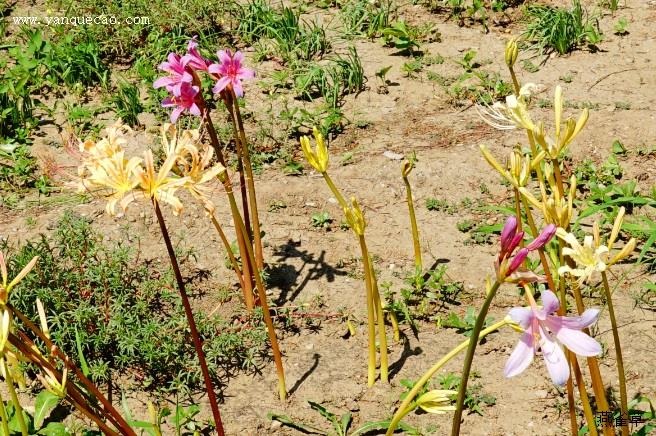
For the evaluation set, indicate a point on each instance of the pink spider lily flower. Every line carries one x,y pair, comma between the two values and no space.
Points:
193,57
546,332
184,98
178,74
230,72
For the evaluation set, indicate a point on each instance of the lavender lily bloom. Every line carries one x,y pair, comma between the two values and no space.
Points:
546,332
178,74
184,98
230,71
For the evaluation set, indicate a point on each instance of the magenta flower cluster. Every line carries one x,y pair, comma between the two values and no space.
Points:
182,84
506,264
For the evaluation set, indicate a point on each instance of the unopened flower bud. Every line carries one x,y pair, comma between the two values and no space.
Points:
517,261
543,238
512,51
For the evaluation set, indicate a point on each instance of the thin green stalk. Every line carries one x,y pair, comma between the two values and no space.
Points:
583,394
469,357
413,223
271,331
371,370
14,398
618,354
198,345
250,182
406,405
382,335
228,248
3,416
335,191
241,238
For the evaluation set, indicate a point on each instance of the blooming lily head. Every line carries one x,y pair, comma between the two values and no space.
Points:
230,72
178,73
588,258
319,157
183,98
511,115
520,167
193,58
544,331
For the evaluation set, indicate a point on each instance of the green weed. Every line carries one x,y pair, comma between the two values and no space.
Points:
561,30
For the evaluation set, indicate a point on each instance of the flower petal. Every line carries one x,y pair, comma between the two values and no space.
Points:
554,358
521,357
550,302
586,319
221,84
578,342
522,316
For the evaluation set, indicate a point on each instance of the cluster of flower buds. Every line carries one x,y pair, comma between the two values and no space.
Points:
184,85
507,264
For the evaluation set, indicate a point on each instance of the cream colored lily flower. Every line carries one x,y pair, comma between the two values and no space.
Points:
589,258
511,115
6,286
159,186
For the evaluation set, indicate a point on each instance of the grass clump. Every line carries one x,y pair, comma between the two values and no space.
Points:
124,312
561,30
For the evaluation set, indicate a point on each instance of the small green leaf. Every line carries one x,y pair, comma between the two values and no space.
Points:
55,429
285,420
44,404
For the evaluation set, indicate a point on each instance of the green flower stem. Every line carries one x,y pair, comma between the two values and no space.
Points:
395,326
382,335
14,398
371,371
3,416
559,177
240,167
469,357
335,191
618,353
198,345
407,406
271,330
228,248
413,224
241,238
516,86
257,236
587,409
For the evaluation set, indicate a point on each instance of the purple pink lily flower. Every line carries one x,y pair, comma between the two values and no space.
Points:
183,98
230,71
193,57
545,332
178,73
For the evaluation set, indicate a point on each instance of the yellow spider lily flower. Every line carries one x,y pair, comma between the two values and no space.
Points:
511,115
319,157
589,257
437,401
563,138
196,167
355,218
628,248
520,166
556,209
6,285
159,186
